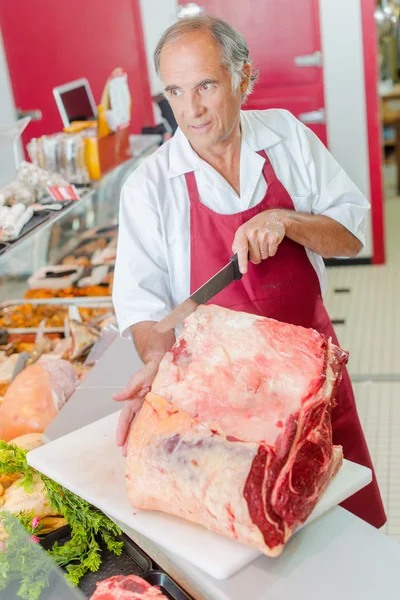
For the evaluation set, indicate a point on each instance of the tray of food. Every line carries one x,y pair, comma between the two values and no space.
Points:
169,588
101,292
91,551
93,301
24,206
96,246
77,279
107,231
140,588
55,277
39,371
132,560
24,317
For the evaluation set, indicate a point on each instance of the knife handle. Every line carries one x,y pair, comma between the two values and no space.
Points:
236,273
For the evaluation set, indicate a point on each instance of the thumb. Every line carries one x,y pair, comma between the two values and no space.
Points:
241,247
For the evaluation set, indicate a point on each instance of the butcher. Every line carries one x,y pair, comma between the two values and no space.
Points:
256,183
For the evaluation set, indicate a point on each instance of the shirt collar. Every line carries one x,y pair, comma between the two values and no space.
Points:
182,158
255,132
258,136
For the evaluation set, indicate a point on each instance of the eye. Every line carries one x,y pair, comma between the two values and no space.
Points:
207,86
175,92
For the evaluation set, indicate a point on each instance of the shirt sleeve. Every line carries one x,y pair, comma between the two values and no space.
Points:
141,290
334,193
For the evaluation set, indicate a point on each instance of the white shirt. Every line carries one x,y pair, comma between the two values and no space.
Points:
152,272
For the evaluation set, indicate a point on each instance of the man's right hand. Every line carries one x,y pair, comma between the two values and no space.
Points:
134,394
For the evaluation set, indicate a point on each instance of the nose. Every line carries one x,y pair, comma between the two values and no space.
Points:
194,106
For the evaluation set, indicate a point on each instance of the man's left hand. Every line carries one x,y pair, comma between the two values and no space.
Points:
260,237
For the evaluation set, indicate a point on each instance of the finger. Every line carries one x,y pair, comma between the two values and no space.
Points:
273,243
125,446
125,449
124,422
254,250
127,393
130,390
135,409
241,247
120,396
264,249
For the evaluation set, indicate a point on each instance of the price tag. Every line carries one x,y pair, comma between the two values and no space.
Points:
63,192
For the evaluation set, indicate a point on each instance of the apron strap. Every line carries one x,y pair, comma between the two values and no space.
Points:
268,170
193,191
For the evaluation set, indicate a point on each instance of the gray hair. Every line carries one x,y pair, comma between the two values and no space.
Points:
233,46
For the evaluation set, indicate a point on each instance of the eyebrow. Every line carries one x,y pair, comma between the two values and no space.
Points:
169,88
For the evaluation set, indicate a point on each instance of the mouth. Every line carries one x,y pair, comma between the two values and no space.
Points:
200,128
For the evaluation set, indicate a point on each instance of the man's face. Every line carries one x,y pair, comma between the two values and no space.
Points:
199,89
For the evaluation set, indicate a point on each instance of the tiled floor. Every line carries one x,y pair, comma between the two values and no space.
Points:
379,410
371,333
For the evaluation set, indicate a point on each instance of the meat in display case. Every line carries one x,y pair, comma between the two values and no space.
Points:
56,313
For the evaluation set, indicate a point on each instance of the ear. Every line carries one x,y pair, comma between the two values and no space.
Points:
245,78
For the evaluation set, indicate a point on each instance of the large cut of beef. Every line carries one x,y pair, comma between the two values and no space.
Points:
129,587
236,433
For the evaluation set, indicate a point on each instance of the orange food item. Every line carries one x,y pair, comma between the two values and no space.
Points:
82,261
35,397
94,290
29,315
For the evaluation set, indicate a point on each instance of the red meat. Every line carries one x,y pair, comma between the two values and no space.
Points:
236,434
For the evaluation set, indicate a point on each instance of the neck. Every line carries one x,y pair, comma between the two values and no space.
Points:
224,155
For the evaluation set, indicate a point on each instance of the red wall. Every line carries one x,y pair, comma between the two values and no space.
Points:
50,42
374,129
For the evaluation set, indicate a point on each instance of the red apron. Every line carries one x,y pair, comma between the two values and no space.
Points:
286,288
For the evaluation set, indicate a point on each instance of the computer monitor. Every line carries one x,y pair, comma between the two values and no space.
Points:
75,102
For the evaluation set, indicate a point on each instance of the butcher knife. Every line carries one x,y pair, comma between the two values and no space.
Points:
207,291
20,364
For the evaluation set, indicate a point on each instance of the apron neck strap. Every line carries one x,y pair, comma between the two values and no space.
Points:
192,187
268,170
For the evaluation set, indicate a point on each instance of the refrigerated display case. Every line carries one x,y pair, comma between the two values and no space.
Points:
62,232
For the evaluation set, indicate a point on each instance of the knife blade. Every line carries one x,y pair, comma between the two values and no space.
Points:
20,364
25,359
207,291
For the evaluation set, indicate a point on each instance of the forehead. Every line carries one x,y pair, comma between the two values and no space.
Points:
194,56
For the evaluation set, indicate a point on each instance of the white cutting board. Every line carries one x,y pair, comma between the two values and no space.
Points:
88,463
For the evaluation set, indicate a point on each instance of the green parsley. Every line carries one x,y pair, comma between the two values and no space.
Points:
82,553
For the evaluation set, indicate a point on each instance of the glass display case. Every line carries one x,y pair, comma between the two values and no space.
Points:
52,241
